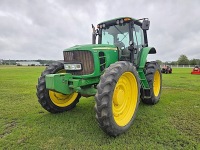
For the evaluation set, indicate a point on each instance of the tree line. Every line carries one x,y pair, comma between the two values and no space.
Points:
182,60
13,62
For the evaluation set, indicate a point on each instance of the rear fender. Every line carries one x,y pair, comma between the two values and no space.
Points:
143,55
140,67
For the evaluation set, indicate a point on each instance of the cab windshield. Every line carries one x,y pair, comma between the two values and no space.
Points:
117,35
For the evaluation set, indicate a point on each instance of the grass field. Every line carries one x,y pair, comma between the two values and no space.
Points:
174,123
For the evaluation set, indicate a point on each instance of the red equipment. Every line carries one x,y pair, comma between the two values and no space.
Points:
196,70
166,69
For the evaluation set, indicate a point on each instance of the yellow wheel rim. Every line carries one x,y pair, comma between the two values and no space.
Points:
62,100
156,83
125,98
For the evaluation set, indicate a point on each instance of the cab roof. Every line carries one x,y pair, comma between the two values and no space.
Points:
125,19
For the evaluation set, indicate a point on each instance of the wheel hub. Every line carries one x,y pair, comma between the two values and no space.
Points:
118,97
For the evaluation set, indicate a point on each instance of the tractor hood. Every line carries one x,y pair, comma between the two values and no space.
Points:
92,47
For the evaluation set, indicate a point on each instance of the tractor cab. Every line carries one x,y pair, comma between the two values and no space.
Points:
127,34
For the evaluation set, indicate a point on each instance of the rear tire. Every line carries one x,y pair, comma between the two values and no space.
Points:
52,101
117,98
154,78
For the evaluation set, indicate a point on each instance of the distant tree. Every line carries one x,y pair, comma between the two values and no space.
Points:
159,62
183,60
193,62
198,61
173,63
41,61
167,63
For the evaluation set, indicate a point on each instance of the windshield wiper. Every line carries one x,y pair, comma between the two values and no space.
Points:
124,36
121,32
118,29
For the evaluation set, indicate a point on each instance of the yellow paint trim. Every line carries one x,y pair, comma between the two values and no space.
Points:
108,48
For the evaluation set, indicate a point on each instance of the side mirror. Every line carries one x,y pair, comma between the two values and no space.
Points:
145,24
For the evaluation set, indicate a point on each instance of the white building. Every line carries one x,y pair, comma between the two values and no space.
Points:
28,63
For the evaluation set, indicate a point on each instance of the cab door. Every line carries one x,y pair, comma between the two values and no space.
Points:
138,39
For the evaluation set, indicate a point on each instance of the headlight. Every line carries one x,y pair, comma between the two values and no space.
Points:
73,66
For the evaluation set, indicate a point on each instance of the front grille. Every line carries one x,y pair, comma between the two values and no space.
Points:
102,60
84,57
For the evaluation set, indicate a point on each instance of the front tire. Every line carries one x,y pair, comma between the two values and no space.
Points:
117,98
52,101
154,78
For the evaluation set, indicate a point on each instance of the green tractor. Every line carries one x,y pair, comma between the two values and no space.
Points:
114,70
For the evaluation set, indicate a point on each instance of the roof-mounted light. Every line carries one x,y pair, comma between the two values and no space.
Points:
117,22
121,21
127,19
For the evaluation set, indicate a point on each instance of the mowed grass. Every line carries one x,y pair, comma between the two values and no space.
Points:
173,123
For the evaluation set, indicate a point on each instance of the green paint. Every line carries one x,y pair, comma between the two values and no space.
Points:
111,56
88,91
67,83
141,64
58,82
143,55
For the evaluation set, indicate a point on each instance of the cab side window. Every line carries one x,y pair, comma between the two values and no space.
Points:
138,36
107,38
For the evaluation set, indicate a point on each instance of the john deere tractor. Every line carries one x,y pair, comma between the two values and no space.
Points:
113,68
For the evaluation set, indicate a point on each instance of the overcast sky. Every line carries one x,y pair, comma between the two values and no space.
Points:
41,29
